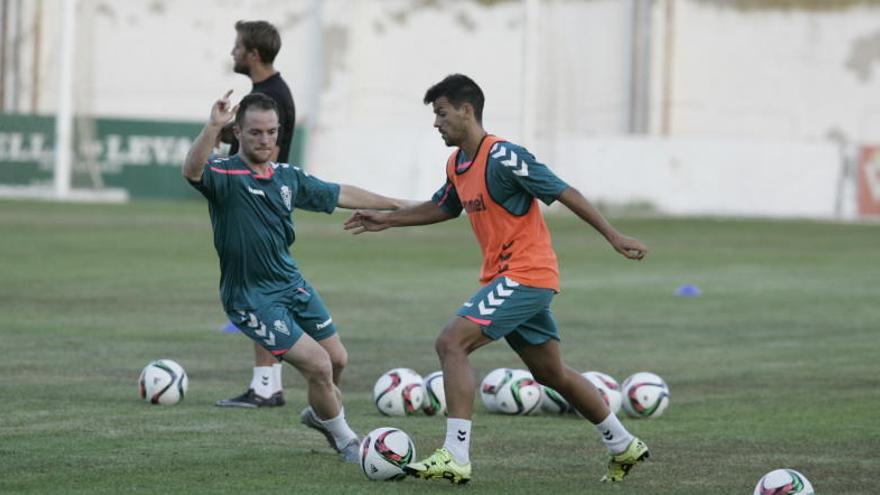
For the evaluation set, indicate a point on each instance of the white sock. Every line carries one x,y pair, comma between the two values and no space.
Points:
277,384
458,439
614,435
338,427
262,381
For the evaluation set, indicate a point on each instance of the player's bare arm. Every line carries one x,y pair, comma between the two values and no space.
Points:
576,202
375,221
222,113
353,197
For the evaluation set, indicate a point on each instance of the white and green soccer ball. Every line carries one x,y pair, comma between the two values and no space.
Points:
645,395
399,392
163,382
608,388
490,386
784,482
435,395
520,395
384,452
552,402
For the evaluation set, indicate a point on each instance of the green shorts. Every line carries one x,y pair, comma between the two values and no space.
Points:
278,325
520,314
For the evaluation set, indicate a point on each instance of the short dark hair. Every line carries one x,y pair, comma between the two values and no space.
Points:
458,89
251,101
260,36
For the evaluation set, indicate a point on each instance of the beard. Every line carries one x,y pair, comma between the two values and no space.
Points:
449,140
255,157
241,69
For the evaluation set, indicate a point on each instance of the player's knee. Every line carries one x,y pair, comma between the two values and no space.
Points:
445,346
458,340
339,360
320,373
318,368
441,346
448,343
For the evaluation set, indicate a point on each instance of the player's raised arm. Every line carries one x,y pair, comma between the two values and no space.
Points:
577,203
222,112
374,221
353,197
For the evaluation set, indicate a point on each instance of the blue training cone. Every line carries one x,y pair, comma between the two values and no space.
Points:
688,290
229,327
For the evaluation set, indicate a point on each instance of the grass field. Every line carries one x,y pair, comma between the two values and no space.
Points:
774,366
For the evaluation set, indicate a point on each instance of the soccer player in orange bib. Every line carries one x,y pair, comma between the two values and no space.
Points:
498,184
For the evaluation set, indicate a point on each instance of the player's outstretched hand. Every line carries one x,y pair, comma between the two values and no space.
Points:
632,248
366,221
223,112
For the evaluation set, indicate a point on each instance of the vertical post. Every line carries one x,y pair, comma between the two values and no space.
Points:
64,115
668,70
531,15
17,35
316,73
37,56
640,66
4,15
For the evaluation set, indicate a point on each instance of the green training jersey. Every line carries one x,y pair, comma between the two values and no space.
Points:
254,229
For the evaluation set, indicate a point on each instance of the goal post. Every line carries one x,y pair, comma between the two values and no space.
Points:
27,145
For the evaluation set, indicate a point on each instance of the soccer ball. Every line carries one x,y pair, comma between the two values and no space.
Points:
608,388
552,402
521,395
784,482
399,392
384,452
163,382
435,400
491,384
645,395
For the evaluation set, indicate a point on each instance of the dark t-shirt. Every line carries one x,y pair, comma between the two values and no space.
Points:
274,87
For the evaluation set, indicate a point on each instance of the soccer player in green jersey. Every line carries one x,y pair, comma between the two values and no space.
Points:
250,202
498,184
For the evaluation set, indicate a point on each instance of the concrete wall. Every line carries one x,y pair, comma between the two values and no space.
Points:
752,73
725,177
680,176
755,92
777,74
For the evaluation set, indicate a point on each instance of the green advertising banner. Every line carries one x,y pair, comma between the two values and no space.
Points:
141,156
26,144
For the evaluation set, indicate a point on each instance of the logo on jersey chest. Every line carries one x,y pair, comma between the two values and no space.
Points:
256,191
474,205
285,196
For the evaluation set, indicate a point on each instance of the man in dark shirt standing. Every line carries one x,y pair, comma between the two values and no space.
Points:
256,45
